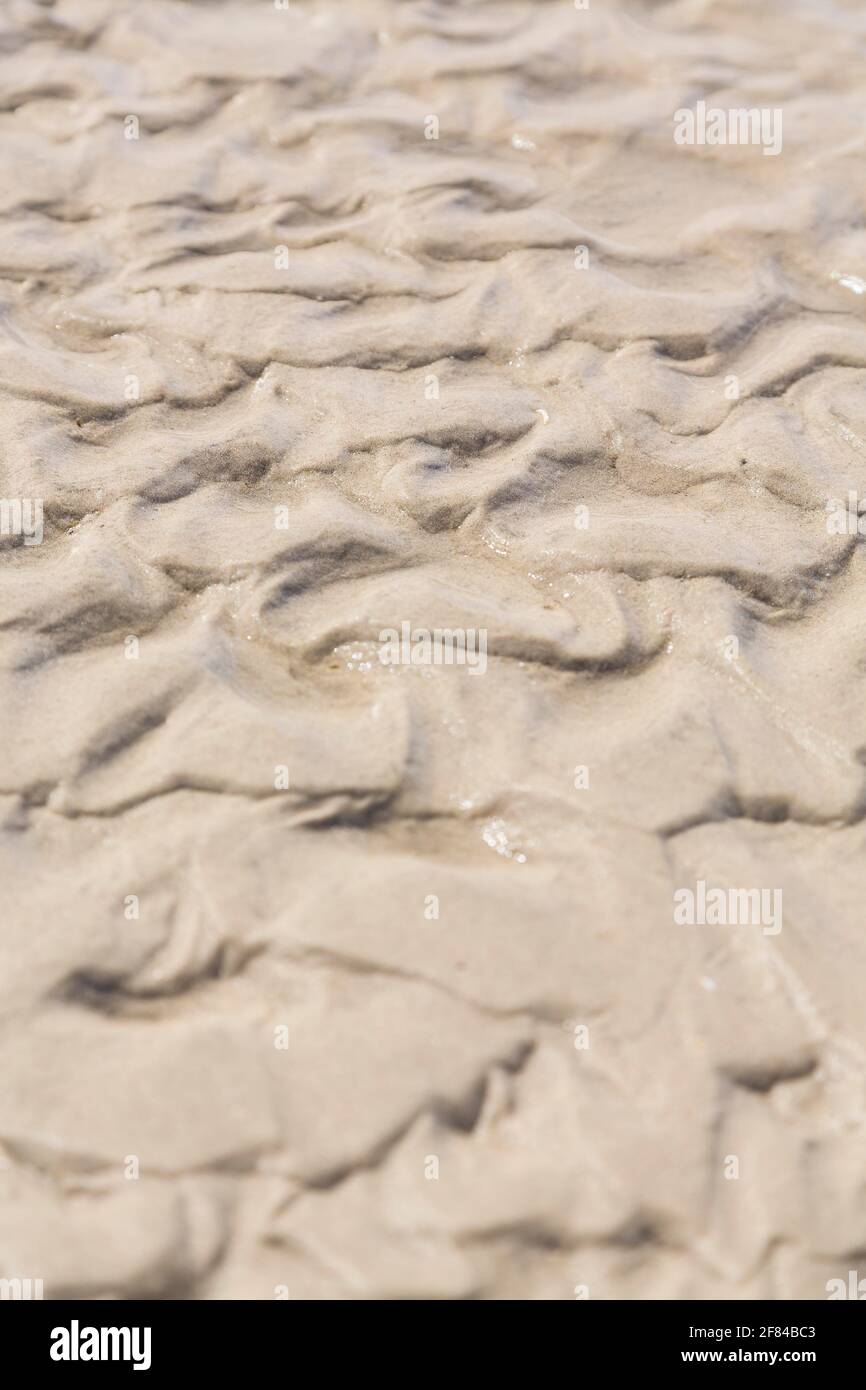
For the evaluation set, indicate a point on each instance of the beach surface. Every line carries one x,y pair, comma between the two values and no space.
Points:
432,649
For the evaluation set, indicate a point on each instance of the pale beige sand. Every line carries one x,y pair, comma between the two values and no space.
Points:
167,384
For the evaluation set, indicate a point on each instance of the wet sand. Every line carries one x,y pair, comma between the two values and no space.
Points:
335,977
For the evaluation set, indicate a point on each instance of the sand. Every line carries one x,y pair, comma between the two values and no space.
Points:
329,976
